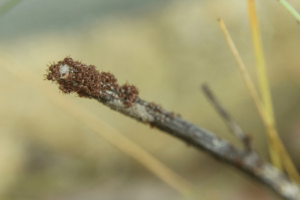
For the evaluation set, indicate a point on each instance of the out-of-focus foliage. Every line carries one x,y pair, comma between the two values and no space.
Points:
167,50
7,6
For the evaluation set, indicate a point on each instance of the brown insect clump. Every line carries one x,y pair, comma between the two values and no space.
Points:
86,81
128,94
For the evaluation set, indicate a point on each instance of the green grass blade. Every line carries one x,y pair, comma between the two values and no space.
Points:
291,9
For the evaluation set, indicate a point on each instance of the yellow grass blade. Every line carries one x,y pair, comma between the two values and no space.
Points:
108,133
291,9
275,145
260,62
264,85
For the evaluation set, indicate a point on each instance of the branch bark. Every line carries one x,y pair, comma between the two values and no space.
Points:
73,76
230,122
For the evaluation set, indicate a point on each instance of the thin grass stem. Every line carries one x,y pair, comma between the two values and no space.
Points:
291,9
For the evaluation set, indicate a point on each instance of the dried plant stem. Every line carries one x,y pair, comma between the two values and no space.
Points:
260,63
243,71
279,154
111,135
149,113
264,87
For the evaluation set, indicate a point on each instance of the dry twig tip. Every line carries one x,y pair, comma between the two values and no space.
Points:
86,81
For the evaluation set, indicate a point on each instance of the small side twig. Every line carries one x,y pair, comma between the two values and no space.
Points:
73,76
230,122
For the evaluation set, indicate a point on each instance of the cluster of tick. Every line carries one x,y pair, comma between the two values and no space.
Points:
128,94
86,81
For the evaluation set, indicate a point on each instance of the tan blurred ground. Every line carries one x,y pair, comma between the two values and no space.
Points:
167,53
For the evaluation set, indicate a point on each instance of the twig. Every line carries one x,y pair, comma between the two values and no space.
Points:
230,122
108,133
87,82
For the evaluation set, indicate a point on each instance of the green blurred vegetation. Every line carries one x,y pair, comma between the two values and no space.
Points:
167,50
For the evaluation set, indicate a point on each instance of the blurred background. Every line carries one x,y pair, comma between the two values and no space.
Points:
167,48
